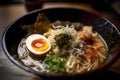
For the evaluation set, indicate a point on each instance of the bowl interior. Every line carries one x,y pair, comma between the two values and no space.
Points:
14,33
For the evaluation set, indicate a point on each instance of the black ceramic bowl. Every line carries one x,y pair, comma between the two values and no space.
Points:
14,33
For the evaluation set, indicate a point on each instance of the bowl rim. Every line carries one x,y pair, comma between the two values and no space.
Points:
104,66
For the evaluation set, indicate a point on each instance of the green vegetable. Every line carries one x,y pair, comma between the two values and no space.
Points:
63,40
55,64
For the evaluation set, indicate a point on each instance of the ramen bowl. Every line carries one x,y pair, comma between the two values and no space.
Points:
108,31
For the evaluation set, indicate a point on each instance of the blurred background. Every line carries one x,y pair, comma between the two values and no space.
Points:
98,4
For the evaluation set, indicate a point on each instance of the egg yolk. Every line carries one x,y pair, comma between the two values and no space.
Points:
39,45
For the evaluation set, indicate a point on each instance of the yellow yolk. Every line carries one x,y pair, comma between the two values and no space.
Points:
39,45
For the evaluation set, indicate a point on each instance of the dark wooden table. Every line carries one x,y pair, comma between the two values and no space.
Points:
8,71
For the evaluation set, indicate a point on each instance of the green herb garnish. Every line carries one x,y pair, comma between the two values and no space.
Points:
63,40
55,64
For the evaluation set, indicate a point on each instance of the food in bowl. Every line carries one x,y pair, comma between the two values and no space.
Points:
61,47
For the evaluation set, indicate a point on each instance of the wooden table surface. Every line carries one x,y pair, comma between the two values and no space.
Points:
8,71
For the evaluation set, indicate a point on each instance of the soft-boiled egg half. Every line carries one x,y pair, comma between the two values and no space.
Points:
38,44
